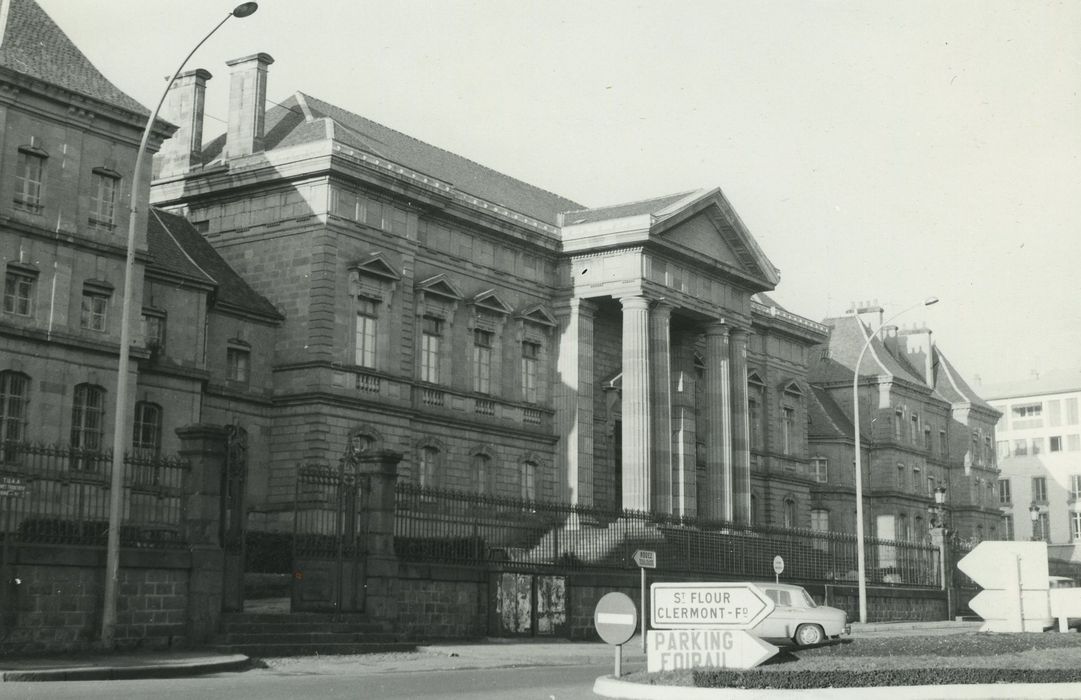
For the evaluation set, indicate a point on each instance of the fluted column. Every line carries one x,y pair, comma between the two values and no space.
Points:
741,437
660,372
573,399
637,436
684,422
718,497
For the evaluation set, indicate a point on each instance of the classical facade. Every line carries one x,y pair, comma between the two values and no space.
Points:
1039,451
506,340
922,429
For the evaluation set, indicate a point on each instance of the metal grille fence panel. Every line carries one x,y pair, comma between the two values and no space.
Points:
60,495
470,529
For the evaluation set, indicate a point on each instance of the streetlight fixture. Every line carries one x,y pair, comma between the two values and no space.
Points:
112,554
1034,513
860,566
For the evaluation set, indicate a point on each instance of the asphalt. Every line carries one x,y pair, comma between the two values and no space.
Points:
486,653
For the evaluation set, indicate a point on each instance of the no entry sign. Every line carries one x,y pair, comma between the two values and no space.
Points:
615,618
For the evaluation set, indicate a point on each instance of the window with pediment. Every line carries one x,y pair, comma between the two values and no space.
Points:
437,302
372,284
535,328
487,320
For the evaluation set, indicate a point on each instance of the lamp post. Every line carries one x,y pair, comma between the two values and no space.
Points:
860,567
116,487
939,534
1034,513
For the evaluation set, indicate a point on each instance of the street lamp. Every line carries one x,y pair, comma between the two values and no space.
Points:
1034,513
112,554
861,570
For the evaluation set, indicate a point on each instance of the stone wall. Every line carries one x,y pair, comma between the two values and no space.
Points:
442,602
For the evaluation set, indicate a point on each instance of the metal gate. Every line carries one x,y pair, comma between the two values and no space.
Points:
234,517
329,539
530,605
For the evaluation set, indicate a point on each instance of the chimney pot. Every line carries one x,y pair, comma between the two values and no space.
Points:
183,106
247,104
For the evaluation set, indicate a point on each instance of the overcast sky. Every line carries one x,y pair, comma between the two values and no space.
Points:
877,150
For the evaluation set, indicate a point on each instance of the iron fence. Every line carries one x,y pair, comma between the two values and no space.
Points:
464,528
55,494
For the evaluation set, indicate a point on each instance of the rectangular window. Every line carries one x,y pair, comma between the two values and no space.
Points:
1055,442
29,180
1020,447
87,424
819,466
154,330
1031,410
94,311
529,481
530,362
146,436
482,361
1071,411
431,337
1039,489
914,429
898,421
18,292
1073,443
931,486
754,409
14,396
1043,527
927,439
1037,446
103,200
788,427
238,364
1075,486
1003,447
364,339
820,522
1004,496
1007,525
1075,527
943,444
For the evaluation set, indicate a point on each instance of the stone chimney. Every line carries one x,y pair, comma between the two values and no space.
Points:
247,105
869,312
183,106
920,349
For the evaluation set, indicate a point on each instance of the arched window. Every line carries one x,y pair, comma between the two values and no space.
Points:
87,423
789,512
482,474
146,435
429,461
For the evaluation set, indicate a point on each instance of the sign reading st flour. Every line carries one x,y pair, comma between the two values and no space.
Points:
705,625
708,605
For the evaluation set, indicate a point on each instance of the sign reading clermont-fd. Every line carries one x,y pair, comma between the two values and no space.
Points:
708,605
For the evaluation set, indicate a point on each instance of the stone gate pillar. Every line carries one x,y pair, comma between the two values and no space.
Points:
380,472
203,446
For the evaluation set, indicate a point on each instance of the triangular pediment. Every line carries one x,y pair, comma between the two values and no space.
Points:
706,226
539,315
490,301
439,286
376,265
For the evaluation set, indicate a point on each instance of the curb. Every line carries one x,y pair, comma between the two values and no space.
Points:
235,662
609,687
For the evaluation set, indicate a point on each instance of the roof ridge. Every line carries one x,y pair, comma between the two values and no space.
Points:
633,201
5,7
438,148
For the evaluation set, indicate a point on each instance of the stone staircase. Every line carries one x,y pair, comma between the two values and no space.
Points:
304,634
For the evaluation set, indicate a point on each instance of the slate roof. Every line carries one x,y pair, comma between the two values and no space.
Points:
951,385
619,211
32,44
847,336
304,119
827,418
176,246
1055,382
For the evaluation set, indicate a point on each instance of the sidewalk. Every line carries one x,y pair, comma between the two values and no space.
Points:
450,655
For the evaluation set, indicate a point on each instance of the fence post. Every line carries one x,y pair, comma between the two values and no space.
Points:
203,446
381,571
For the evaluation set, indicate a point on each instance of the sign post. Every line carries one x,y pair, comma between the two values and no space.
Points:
616,620
645,559
778,568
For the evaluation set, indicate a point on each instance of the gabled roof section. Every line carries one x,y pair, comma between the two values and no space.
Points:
625,210
439,285
836,361
304,119
201,259
539,315
490,301
951,385
377,265
827,418
31,43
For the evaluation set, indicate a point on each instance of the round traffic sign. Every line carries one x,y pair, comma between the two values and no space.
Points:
615,618
778,565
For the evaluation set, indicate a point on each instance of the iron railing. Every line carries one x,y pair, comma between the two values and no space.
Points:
57,494
464,528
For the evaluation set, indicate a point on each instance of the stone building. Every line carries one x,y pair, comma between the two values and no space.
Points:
922,428
505,339
1039,450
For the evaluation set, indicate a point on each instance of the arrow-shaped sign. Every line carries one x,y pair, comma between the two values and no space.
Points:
670,650
708,605
1014,575
998,609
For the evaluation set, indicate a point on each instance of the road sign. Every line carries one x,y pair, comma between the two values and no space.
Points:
1014,576
778,566
645,559
708,605
11,487
671,650
615,618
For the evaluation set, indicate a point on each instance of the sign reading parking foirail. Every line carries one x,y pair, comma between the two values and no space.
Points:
705,624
